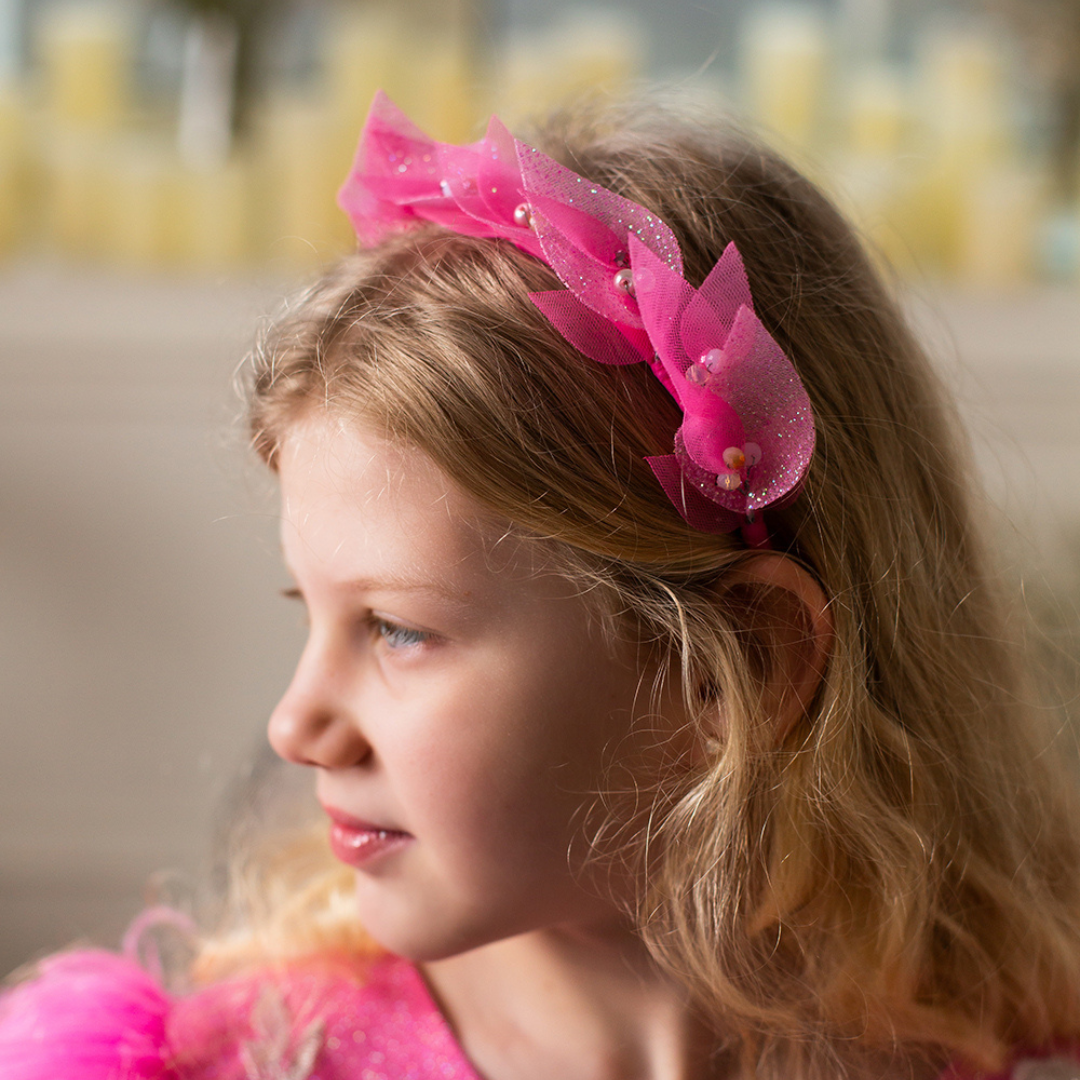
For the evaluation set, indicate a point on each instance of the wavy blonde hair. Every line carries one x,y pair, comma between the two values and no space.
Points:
901,874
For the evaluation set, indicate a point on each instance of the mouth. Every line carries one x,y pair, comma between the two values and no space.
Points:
359,843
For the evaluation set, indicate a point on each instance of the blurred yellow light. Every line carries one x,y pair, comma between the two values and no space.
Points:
85,48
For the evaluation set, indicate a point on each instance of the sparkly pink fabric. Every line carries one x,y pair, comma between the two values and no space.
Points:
400,175
748,432
93,1015
749,394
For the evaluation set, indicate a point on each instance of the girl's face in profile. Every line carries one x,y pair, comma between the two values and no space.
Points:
459,699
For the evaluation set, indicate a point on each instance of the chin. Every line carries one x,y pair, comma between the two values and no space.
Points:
427,932
426,944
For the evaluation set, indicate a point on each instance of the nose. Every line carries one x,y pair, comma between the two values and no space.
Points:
313,723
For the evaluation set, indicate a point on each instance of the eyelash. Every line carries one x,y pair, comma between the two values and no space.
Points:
396,636
393,634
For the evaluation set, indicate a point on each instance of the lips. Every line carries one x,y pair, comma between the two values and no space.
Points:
359,843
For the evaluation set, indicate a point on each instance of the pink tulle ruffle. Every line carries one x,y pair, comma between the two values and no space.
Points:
93,1015
89,1015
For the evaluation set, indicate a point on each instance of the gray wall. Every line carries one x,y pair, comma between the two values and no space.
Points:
142,639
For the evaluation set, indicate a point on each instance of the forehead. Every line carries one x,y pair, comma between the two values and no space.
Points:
356,504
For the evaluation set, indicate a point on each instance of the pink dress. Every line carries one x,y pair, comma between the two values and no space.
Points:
94,1015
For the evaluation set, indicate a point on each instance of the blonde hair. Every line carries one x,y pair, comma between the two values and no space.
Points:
902,872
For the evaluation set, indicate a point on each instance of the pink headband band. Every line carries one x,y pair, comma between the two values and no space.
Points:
747,434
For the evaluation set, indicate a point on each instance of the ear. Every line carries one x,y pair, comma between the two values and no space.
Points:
787,615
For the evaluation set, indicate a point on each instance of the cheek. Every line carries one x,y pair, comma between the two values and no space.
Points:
513,758
493,779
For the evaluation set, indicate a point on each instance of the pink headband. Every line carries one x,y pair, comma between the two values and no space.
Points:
747,434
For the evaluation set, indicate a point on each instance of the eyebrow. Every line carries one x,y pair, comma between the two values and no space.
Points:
406,585
397,585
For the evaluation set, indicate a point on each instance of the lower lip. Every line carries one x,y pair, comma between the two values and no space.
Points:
361,847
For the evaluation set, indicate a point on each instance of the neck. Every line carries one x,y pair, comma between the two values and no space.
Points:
572,1003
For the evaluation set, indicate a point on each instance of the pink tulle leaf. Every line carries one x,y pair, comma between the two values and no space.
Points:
698,511
736,387
638,341
455,173
386,123
710,427
586,258
585,230
499,174
400,175
707,320
762,385
662,294
460,168
591,246
399,196
726,288
392,149
611,214
590,333
591,282
702,332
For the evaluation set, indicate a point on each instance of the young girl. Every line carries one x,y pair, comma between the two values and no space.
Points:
656,691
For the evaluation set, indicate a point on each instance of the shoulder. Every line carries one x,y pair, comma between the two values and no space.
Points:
96,1016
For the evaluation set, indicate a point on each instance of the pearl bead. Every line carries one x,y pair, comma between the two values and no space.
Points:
729,481
734,458
712,360
753,453
444,187
624,282
523,215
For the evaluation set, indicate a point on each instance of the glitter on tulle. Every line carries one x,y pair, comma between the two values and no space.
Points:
747,435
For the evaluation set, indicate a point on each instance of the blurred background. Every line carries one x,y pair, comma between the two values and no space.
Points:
167,177
212,134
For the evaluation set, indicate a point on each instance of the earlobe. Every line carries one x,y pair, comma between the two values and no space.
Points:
787,615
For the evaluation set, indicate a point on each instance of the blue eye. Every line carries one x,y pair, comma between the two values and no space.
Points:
399,637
